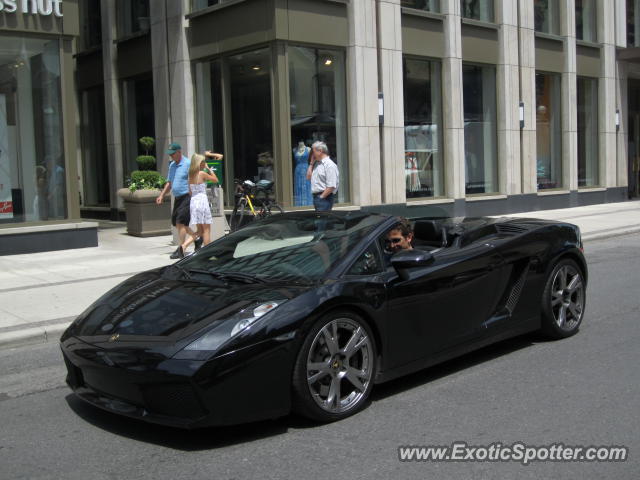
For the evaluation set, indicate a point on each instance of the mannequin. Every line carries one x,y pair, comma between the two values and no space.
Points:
265,166
301,186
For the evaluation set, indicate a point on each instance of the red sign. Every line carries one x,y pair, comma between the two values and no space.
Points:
6,207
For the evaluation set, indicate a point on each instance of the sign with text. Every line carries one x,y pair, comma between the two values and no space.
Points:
33,7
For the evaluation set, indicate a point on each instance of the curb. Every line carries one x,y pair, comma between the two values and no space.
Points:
32,335
610,233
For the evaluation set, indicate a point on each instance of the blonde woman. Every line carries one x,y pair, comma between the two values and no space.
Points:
199,173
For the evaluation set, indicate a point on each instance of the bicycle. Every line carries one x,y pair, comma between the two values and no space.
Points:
248,196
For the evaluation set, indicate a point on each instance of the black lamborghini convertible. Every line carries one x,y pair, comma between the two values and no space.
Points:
307,311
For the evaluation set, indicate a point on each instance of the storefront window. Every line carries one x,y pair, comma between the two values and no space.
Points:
32,163
91,24
94,148
477,10
251,122
133,16
479,96
200,4
209,107
547,16
424,169
428,5
548,131
318,106
586,20
587,132
138,118
633,23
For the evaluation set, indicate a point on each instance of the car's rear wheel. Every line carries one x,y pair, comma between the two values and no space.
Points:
563,300
335,368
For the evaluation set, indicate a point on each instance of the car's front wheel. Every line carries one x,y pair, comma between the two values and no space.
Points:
335,368
563,300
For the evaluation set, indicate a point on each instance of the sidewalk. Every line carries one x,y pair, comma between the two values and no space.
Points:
41,293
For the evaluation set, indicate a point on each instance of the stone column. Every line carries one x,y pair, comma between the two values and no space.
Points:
452,106
508,95
112,103
569,97
172,83
527,47
622,99
607,95
364,131
391,86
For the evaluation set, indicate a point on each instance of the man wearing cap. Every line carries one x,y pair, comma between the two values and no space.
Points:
178,181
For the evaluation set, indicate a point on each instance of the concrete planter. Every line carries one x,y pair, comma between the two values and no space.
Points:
144,217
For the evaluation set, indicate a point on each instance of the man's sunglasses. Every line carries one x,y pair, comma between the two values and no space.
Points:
394,240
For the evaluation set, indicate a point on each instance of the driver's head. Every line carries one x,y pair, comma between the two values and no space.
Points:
399,237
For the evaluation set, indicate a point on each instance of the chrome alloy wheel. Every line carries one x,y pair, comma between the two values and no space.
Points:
567,297
340,365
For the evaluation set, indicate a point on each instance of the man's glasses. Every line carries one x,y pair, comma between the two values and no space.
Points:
394,240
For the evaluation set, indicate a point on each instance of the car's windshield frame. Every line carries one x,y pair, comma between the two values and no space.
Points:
328,240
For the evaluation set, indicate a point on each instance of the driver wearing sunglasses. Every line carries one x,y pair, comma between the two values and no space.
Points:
399,238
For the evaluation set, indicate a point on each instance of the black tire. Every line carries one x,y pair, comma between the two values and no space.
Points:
343,348
237,216
563,300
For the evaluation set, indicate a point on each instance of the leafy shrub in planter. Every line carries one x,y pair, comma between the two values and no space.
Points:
146,180
146,162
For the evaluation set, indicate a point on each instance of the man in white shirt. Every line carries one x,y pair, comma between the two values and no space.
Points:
324,176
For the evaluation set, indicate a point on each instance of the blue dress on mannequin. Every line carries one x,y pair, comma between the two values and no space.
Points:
301,186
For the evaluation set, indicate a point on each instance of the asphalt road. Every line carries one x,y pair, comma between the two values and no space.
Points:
580,391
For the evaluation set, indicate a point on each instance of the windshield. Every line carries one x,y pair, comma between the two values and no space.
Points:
286,247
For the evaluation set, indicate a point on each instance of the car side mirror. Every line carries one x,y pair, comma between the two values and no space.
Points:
405,260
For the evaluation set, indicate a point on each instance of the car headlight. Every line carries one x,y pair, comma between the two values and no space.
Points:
242,320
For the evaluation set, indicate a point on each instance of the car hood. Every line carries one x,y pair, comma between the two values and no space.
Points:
155,307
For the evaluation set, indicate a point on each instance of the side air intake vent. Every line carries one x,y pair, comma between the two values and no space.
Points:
510,228
514,296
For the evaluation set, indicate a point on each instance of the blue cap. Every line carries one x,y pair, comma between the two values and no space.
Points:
173,148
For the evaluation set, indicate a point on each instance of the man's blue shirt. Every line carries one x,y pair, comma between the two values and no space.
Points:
179,177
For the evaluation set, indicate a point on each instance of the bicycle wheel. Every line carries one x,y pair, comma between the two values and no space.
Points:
238,215
273,209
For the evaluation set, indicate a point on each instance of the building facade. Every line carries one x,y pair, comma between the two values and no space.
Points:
457,107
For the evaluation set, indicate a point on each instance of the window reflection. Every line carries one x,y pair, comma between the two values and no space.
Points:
250,81
424,172
94,147
587,132
91,34
477,10
633,23
548,131
318,111
32,162
133,17
479,96
209,109
586,20
139,119
547,16
200,4
428,5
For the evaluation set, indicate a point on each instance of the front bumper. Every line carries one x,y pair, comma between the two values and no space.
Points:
245,385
